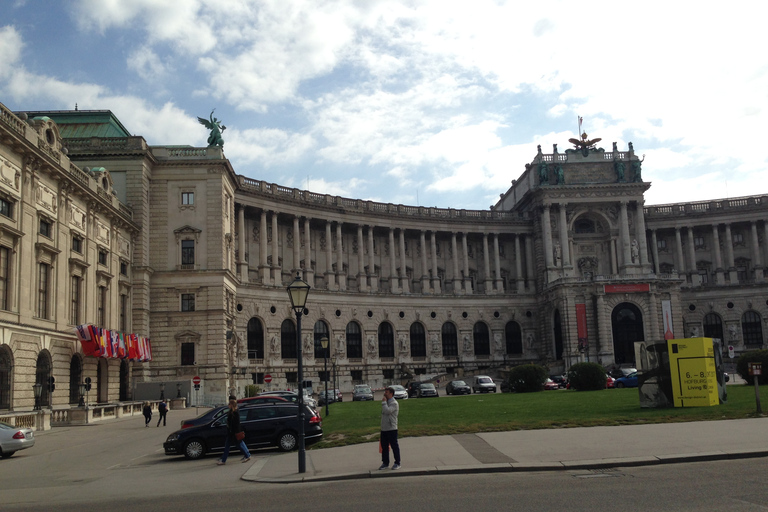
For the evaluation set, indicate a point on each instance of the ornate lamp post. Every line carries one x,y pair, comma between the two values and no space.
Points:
335,386
162,391
83,389
324,343
298,291
38,390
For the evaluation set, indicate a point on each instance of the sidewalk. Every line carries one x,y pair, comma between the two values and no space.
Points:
528,450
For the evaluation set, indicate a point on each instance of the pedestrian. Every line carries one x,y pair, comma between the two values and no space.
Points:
147,412
235,435
389,411
163,410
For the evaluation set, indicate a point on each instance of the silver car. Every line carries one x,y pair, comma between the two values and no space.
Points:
400,392
13,439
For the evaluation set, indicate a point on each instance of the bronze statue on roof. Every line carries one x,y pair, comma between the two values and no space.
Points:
584,144
214,139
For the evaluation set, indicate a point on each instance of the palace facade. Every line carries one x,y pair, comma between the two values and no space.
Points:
169,242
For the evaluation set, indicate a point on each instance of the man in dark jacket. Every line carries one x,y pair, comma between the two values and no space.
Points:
163,410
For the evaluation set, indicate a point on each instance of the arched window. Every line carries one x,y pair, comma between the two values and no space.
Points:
255,339
751,328
713,326
42,373
288,349
75,377
6,367
125,379
321,329
481,339
514,338
354,341
418,340
450,340
386,340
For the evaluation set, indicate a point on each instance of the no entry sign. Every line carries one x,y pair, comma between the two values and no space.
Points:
267,378
196,380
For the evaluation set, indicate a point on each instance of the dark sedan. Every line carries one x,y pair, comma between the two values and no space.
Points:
457,387
271,424
220,411
427,390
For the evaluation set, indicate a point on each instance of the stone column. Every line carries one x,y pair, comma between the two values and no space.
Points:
277,279
497,263
529,272
519,266
296,246
655,243
487,265
564,243
404,284
679,252
242,264
341,275
392,265
465,253
309,273
330,277
424,269
653,305
695,278
546,230
455,261
435,274
626,247
263,241
361,274
614,258
372,262
640,233
603,330
720,279
758,263
730,261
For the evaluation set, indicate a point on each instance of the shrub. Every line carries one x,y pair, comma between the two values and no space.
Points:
753,356
527,378
251,390
586,376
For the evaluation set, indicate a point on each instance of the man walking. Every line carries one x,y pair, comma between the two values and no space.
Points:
389,411
163,410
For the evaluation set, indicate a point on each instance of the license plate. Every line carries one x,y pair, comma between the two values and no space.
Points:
28,435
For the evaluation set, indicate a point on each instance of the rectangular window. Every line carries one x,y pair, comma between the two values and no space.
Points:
123,312
77,244
324,376
738,238
6,208
292,377
258,378
388,374
74,311
103,258
187,252
704,276
42,289
187,301
123,268
45,228
357,375
102,307
187,198
187,354
698,242
4,273
741,273
661,244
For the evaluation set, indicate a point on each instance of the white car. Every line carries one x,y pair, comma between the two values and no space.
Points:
13,439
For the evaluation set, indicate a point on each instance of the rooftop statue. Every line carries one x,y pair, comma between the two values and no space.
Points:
585,144
214,139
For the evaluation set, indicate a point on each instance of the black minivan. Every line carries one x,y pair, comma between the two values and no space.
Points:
265,425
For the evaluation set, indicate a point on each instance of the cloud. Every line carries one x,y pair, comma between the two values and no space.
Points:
147,64
10,49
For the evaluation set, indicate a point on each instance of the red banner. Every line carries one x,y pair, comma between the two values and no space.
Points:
581,325
627,288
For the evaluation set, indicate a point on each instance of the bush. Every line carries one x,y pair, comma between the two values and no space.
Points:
251,390
527,378
586,376
753,356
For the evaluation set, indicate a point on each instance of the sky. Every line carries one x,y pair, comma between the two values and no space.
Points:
431,103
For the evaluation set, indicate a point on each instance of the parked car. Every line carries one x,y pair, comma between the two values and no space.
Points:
217,412
362,392
560,380
13,439
609,381
427,390
483,384
291,396
620,371
630,381
333,394
550,384
270,424
457,387
400,392
412,388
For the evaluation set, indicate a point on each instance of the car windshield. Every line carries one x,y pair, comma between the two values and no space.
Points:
398,388
459,383
427,386
486,380
362,389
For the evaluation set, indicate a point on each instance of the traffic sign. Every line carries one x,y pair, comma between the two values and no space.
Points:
267,378
196,380
731,352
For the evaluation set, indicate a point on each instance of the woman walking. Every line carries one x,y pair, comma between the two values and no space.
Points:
235,435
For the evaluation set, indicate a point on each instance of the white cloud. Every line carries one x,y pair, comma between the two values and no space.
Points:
10,49
147,64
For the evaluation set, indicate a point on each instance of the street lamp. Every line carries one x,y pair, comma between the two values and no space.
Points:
335,386
83,388
324,343
38,390
178,390
297,292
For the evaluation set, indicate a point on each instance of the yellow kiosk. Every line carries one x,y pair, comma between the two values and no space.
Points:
693,364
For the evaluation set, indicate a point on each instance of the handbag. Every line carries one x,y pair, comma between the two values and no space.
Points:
240,436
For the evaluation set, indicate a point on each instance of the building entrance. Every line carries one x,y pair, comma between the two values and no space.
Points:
627,327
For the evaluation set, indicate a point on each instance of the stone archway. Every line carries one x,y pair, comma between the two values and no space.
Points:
627,328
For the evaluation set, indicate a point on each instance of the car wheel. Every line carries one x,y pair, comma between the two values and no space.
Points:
194,449
619,385
287,441
5,455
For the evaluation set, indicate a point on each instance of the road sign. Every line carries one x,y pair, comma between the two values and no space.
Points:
267,378
755,368
197,387
731,352
196,380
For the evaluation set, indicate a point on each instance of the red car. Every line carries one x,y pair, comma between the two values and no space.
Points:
609,381
550,384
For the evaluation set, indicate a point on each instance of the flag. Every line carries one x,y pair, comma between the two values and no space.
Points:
149,350
122,353
99,333
87,340
115,343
